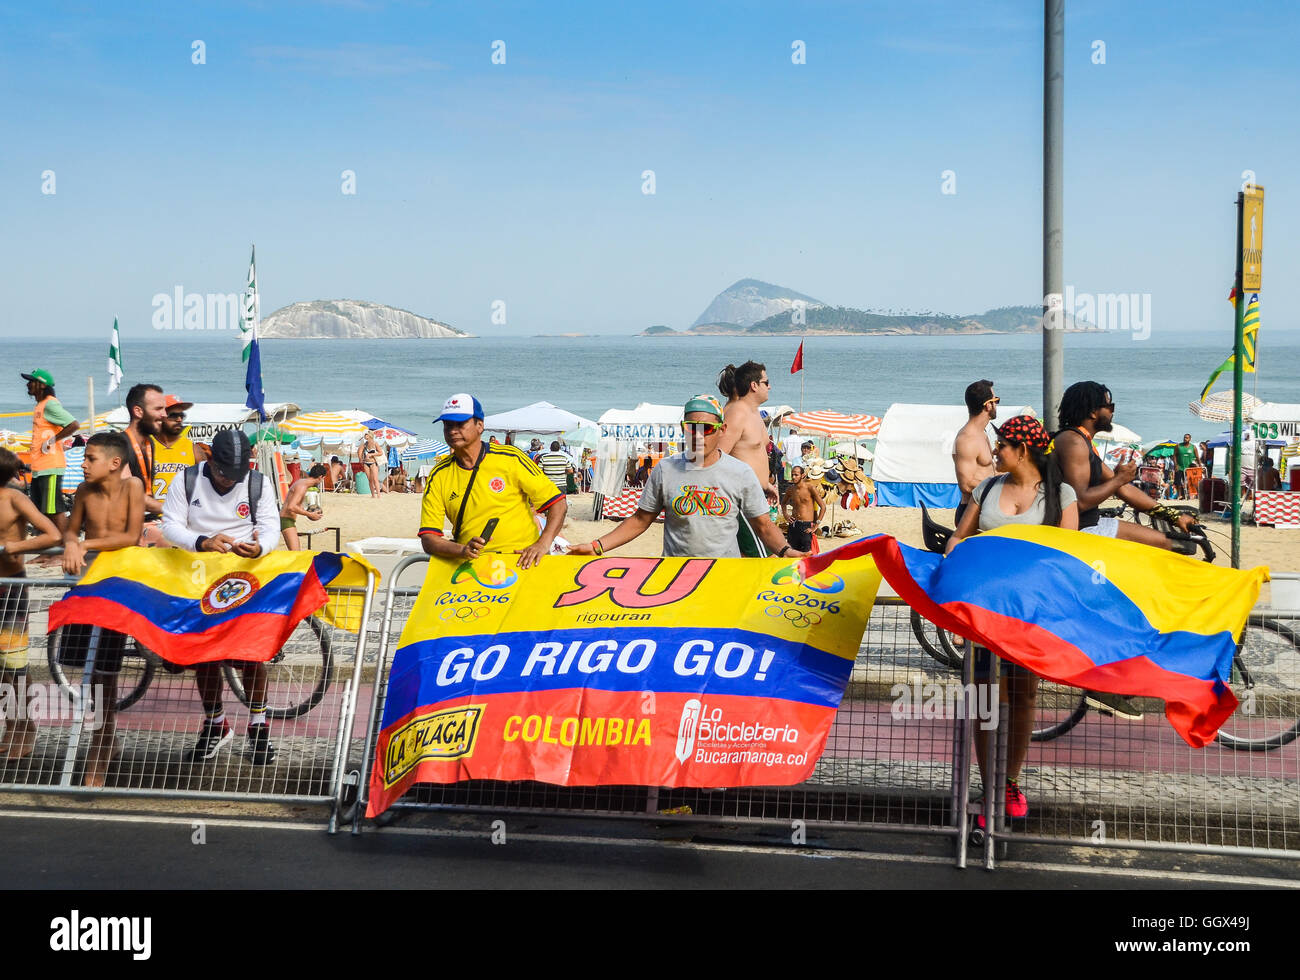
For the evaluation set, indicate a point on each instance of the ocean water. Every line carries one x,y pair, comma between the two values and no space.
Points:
405,381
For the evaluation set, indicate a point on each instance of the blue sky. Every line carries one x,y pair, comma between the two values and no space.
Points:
522,182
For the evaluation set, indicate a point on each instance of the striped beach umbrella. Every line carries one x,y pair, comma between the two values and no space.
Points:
834,424
1218,406
330,428
427,449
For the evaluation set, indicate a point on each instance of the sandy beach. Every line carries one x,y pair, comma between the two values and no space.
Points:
396,515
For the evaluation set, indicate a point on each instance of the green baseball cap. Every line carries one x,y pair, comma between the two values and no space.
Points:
703,403
41,375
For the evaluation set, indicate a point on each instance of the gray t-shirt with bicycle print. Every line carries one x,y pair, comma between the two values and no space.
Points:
702,504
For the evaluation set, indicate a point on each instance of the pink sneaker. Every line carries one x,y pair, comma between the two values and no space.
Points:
1017,805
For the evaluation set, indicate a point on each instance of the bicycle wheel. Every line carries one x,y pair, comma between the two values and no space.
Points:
296,682
933,642
138,666
1059,709
1266,680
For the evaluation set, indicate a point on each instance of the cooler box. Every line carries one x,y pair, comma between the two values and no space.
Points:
1213,492
1295,477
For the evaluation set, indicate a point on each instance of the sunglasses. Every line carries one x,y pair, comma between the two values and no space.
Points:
995,400
1110,405
176,416
704,428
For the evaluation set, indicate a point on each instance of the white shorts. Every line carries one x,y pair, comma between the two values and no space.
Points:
1106,527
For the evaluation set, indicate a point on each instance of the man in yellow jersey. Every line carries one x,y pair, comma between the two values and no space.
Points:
173,449
480,482
51,424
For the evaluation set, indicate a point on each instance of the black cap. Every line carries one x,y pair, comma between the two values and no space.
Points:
231,454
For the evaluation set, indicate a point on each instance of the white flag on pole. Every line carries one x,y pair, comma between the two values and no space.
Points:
250,313
114,360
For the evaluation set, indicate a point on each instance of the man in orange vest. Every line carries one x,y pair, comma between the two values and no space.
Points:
51,424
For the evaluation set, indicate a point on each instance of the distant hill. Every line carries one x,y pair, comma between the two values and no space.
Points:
347,319
844,320
748,301
658,330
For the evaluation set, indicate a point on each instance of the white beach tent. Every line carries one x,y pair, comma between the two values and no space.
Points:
622,431
541,418
1285,417
913,463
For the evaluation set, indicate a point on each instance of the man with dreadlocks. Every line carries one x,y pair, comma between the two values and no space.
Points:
1086,409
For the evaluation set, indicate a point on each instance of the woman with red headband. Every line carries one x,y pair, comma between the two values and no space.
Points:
1026,489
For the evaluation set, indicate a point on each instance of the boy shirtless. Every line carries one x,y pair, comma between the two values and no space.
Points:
804,499
17,512
296,504
109,509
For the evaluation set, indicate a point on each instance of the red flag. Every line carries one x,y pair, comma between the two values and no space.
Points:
797,366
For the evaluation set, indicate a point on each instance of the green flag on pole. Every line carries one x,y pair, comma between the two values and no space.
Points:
114,360
250,313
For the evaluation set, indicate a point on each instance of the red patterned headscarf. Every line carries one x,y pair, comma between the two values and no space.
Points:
1024,430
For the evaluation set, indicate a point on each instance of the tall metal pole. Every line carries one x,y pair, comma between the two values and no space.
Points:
1238,367
1054,320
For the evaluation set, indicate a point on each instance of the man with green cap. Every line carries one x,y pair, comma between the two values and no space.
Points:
51,424
706,496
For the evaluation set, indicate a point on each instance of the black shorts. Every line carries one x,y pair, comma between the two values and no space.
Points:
74,648
800,535
983,663
1180,477
47,494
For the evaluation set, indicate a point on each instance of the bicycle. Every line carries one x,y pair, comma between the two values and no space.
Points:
285,681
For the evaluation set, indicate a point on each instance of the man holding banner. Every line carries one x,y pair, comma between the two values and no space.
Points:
705,496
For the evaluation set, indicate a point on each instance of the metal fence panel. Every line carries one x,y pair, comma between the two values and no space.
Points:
883,768
54,700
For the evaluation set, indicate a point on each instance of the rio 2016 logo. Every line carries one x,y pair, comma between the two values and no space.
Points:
500,577
825,583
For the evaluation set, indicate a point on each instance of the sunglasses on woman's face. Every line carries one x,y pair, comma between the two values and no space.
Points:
703,428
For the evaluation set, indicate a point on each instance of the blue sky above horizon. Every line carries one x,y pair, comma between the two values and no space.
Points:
522,182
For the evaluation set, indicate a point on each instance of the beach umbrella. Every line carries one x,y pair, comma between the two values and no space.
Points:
15,440
1118,434
834,424
857,450
272,434
1218,406
428,449
330,428
386,433
585,437
1159,450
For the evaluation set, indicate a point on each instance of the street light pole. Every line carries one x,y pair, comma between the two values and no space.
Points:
1054,314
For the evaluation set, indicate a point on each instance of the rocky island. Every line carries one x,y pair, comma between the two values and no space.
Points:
348,319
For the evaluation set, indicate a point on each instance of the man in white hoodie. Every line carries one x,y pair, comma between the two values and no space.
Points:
225,506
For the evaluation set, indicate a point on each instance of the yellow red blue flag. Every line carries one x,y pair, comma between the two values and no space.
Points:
1087,611
195,608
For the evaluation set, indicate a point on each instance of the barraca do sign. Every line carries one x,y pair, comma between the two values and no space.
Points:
651,671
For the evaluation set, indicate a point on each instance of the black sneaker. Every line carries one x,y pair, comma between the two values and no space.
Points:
211,739
1114,704
260,750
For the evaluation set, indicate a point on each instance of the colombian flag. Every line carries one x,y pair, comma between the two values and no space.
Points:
197,608
1087,611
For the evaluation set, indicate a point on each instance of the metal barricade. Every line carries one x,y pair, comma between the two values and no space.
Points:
1098,780
888,763
55,691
